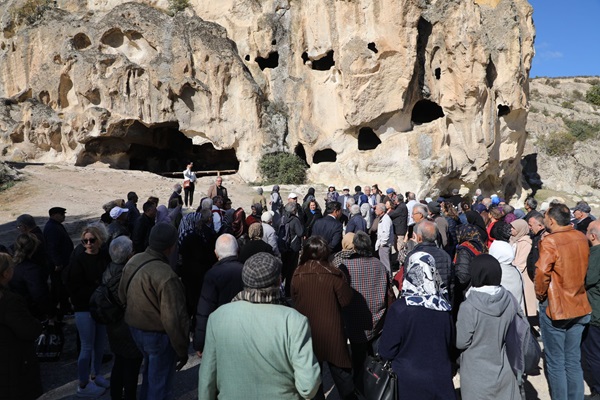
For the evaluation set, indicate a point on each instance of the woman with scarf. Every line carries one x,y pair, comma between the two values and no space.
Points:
418,333
311,214
470,245
483,320
521,243
504,253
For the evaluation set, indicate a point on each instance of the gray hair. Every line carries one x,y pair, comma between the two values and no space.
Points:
290,208
177,187
380,207
362,244
421,208
508,209
428,231
226,246
205,216
350,202
206,204
531,203
102,230
259,190
355,209
120,249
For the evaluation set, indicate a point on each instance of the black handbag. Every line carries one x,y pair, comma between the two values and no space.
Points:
379,381
49,345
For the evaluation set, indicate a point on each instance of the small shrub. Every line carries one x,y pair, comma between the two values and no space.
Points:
282,168
554,96
577,80
592,96
551,83
535,94
559,115
582,130
568,104
545,113
557,144
178,5
576,95
533,109
7,177
594,81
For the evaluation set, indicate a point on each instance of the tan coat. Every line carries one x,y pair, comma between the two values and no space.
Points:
522,248
319,292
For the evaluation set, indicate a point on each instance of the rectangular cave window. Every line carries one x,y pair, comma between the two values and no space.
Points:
326,155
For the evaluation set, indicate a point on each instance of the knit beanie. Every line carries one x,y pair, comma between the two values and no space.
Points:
162,236
262,270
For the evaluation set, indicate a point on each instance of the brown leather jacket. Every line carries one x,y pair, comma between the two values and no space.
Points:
560,274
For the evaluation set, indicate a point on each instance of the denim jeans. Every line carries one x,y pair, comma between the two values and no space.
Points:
93,340
159,363
562,351
124,378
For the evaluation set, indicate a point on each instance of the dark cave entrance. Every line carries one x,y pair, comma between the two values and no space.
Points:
367,139
426,111
326,155
300,152
158,148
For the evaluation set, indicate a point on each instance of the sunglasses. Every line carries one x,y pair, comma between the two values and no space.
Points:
88,241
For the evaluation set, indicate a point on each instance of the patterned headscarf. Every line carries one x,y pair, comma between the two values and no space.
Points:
423,285
470,233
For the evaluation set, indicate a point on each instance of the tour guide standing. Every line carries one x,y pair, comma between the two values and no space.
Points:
564,306
189,184
156,311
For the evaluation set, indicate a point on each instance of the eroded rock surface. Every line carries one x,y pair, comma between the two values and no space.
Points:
418,94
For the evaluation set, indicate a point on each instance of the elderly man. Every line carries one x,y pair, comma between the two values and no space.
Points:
385,237
538,231
564,306
591,342
581,212
118,226
177,189
217,189
221,283
60,247
155,312
272,347
269,234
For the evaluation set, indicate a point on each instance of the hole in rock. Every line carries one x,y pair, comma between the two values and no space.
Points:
81,41
438,73
273,42
424,29
324,63
426,111
247,58
272,61
305,57
367,139
503,110
490,73
530,172
2,46
371,46
326,155
113,38
299,151
158,148
64,86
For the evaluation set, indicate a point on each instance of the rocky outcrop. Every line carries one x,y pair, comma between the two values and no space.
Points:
416,94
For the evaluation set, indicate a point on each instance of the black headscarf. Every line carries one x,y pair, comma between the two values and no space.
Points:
501,231
475,219
311,192
485,271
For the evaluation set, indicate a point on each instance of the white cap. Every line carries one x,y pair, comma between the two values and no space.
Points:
292,196
116,212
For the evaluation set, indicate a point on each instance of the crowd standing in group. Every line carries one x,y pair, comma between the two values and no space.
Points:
271,297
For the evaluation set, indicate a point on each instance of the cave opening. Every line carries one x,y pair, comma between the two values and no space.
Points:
367,139
426,111
438,73
300,152
325,155
371,46
158,148
322,64
490,73
503,110
424,30
272,61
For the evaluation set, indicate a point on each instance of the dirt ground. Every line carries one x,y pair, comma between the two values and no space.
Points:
83,191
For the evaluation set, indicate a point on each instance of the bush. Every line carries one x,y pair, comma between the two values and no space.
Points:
568,104
592,96
552,83
282,168
557,144
178,5
582,130
576,95
594,81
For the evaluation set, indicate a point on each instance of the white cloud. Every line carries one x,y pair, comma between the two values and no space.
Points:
550,55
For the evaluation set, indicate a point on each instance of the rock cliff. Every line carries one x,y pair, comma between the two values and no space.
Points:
423,95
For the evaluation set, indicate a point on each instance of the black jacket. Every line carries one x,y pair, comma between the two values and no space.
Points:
534,254
253,247
58,242
30,282
141,233
443,263
399,217
84,274
330,229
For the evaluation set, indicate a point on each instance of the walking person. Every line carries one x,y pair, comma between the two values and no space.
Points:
189,184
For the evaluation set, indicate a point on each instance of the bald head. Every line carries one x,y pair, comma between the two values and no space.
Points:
593,233
426,232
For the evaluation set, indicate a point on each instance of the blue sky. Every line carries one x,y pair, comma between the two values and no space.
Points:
567,39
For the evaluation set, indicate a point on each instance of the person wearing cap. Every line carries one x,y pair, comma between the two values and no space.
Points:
156,311
221,283
564,307
581,212
269,234
271,355
293,198
118,226
141,231
390,194
60,248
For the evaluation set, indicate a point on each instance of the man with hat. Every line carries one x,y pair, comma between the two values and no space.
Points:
118,226
156,311
293,198
60,247
343,199
273,345
581,212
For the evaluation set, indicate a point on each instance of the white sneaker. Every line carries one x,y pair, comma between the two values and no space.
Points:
101,381
91,390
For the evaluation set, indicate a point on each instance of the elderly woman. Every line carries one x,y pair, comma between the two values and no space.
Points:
483,320
521,244
128,359
19,368
319,292
356,222
84,275
418,333
30,279
255,245
339,259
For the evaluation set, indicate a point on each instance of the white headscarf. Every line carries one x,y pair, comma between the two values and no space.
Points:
423,285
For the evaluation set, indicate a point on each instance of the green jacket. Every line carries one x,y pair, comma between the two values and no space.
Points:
155,299
592,284
258,351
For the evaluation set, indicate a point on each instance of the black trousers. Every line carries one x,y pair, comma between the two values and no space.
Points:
342,378
124,378
189,194
290,263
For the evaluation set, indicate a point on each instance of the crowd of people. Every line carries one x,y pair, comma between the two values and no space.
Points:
271,297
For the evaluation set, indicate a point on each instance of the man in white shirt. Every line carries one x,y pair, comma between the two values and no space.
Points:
385,237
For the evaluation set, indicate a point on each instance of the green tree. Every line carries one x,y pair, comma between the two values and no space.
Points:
178,5
592,96
282,168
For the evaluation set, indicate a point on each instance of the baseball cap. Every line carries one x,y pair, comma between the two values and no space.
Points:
116,212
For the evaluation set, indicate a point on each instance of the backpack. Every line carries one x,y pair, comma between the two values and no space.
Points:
104,307
284,236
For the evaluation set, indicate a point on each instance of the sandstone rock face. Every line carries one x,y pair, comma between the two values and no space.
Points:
421,95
